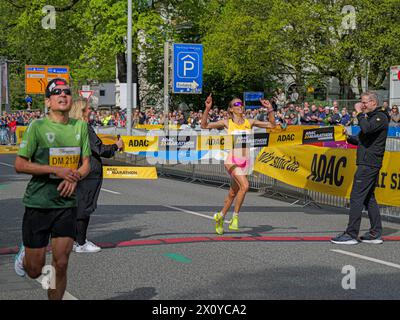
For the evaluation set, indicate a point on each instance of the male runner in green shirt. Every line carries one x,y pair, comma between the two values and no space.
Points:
55,151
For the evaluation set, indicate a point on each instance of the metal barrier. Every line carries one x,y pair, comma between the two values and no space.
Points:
216,173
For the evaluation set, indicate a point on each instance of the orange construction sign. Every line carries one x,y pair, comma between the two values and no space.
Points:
37,77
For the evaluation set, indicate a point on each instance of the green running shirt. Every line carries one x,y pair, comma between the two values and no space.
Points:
56,144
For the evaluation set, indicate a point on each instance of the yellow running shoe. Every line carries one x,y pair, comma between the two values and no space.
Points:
234,224
219,223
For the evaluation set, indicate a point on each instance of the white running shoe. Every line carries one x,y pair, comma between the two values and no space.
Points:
19,262
88,247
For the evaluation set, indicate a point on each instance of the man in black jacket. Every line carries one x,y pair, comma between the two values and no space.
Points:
371,141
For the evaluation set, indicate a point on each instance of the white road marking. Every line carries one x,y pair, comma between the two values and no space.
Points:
193,213
390,264
110,191
7,165
67,295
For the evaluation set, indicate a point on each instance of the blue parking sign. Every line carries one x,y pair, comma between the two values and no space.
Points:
187,73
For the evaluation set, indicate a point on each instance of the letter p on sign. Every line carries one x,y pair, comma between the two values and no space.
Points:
187,66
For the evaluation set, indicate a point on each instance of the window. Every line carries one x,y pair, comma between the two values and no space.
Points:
102,93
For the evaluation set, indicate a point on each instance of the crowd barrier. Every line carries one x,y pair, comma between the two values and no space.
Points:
216,173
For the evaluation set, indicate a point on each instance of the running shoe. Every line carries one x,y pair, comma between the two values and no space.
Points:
87,247
234,223
371,237
19,262
219,223
344,238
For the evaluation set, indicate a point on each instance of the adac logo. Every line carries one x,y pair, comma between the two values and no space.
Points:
50,137
286,137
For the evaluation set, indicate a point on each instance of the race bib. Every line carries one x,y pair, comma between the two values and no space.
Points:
64,157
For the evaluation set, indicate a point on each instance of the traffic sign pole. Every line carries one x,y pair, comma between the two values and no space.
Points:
166,83
129,72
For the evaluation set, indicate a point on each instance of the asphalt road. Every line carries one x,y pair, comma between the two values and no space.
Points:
159,243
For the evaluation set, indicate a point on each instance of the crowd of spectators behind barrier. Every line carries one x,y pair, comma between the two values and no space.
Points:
10,121
289,113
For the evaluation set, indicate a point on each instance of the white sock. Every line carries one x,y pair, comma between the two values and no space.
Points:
236,214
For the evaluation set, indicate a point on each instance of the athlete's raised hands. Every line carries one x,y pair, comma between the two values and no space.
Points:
209,102
266,104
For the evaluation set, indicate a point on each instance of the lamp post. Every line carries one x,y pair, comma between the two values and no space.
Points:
166,86
129,71
5,61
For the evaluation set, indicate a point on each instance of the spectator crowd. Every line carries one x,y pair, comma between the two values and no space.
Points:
10,121
289,113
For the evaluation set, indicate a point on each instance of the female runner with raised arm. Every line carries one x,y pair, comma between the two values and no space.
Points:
237,162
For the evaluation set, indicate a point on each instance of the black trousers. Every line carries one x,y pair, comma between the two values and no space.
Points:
81,230
363,195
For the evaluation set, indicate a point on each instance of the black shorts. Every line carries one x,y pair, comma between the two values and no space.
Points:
39,224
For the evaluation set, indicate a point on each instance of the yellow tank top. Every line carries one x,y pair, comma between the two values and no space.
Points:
234,128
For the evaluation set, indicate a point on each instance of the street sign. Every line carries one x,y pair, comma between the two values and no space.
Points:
252,99
37,77
187,68
86,93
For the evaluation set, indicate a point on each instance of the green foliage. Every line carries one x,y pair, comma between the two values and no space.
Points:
249,44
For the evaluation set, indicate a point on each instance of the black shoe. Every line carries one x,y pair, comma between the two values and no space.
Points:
371,237
344,238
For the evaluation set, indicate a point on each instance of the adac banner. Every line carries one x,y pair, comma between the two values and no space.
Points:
213,142
140,143
327,170
157,126
9,149
20,133
177,142
292,135
159,143
129,172
107,138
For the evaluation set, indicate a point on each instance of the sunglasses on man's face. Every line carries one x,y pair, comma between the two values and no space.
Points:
57,92
238,104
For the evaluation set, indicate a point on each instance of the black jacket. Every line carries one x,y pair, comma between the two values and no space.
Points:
88,189
371,140
99,150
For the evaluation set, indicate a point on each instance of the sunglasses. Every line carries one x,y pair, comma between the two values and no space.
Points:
238,104
57,92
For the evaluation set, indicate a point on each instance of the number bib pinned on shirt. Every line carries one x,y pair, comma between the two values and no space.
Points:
67,157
